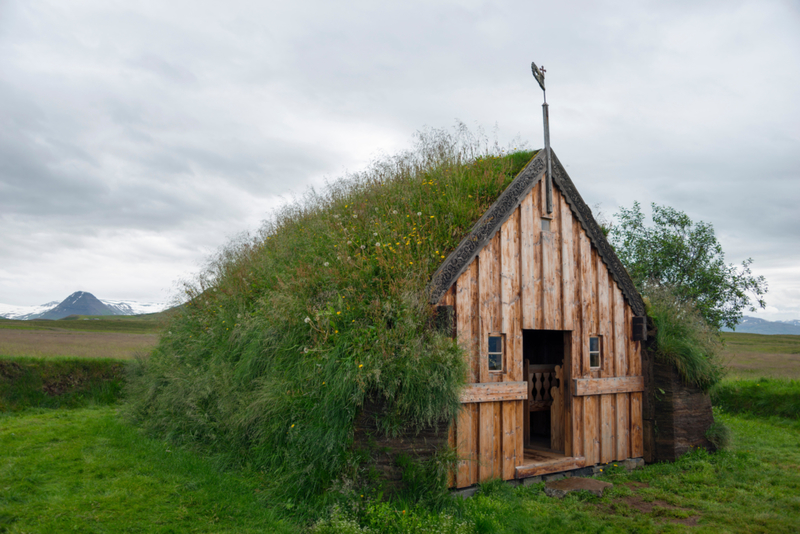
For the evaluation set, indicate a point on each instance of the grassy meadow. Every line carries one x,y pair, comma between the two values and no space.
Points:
115,337
761,356
79,467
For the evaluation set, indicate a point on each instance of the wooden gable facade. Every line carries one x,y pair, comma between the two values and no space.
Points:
546,314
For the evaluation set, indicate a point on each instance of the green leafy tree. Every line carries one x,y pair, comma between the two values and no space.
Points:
686,257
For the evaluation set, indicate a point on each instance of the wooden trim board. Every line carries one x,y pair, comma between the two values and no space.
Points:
556,465
494,392
603,386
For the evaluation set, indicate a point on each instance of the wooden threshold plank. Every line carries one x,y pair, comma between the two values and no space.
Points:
565,463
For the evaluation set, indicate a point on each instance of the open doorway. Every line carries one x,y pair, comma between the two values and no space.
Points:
543,362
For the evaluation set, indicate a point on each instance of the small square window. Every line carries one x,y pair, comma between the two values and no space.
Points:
595,350
495,352
546,225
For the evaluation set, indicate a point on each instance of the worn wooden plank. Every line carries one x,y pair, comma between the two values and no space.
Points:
595,328
622,401
527,260
538,288
551,307
591,429
620,335
604,327
449,297
621,369
605,386
553,466
494,392
467,446
607,428
489,437
557,413
566,395
637,437
576,424
510,301
587,301
520,412
489,302
634,347
558,201
466,319
509,446
568,266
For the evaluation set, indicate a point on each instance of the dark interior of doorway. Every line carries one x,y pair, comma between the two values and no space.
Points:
541,347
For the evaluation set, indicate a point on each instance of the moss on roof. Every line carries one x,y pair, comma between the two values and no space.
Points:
286,333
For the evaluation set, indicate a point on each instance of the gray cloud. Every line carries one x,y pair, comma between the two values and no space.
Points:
135,140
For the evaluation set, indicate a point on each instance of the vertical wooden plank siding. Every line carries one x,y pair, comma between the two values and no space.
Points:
608,421
467,445
527,259
576,352
635,366
567,266
510,303
551,269
604,319
467,318
587,302
607,428
538,289
510,294
466,295
621,365
490,318
570,317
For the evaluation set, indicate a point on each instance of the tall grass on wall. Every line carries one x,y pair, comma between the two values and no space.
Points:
284,334
684,338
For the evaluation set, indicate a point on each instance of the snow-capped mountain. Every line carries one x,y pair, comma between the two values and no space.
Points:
755,325
130,307
9,311
80,303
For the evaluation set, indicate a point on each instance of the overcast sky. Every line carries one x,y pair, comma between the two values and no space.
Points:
138,137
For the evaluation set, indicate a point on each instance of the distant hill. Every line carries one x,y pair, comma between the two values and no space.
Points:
79,303
754,325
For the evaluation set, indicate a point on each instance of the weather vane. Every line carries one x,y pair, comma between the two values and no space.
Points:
538,73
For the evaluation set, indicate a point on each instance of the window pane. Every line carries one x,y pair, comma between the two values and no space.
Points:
594,359
495,344
594,344
495,362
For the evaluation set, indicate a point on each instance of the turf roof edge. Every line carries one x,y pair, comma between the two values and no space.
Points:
491,221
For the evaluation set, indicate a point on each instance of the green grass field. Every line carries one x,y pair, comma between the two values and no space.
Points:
757,356
85,470
117,337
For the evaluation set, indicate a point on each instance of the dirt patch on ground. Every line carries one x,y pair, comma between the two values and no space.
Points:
657,509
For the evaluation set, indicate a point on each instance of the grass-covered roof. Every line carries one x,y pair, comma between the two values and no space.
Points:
285,334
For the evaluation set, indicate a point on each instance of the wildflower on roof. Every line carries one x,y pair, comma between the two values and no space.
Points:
377,244
307,319
419,213
326,264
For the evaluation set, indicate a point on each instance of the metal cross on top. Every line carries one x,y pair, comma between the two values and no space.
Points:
539,75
